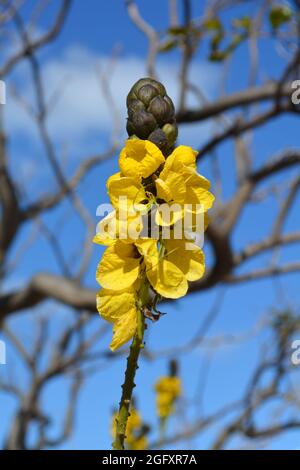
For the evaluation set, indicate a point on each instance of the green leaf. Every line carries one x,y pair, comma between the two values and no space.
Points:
243,23
216,40
279,15
168,45
213,24
236,40
217,56
178,30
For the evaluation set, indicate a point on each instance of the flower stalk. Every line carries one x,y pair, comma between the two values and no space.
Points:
132,366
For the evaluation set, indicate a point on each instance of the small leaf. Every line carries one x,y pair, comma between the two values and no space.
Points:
236,40
168,45
279,15
177,30
243,23
216,39
213,24
217,56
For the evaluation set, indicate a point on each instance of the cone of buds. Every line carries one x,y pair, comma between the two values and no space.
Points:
151,114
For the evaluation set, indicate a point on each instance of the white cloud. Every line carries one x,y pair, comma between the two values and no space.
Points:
81,109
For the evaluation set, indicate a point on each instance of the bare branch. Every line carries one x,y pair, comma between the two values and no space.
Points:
148,31
266,92
32,46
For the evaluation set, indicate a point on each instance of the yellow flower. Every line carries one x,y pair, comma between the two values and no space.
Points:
138,443
140,159
126,194
170,265
112,228
119,267
135,437
131,203
168,390
181,187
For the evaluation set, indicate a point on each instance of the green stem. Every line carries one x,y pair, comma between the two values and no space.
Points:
132,366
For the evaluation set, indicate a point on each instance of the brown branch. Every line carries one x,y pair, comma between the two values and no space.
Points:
43,286
285,208
263,273
32,46
266,92
68,426
63,360
264,245
240,126
50,201
10,211
234,207
148,31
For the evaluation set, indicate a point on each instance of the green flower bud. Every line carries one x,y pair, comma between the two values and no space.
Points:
143,122
134,107
146,93
151,112
149,81
159,138
160,110
171,131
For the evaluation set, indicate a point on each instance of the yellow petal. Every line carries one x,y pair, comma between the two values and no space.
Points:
114,177
168,384
200,198
163,190
177,184
140,159
168,214
195,222
119,267
124,329
182,156
106,230
112,305
126,195
197,191
148,249
168,390
111,228
186,155
190,261
120,309
167,280
172,188
192,178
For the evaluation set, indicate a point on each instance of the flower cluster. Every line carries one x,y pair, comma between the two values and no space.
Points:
168,390
136,438
169,191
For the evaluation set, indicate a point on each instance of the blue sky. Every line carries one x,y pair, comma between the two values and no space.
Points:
80,125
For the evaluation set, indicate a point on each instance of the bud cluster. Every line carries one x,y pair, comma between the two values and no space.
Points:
151,114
